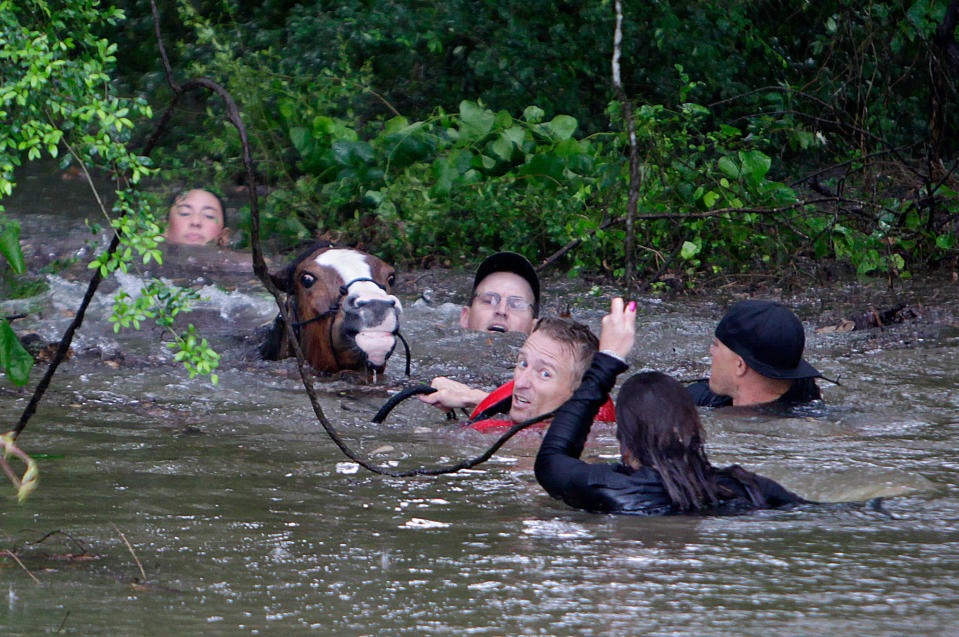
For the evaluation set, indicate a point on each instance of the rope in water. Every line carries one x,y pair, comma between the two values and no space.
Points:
262,273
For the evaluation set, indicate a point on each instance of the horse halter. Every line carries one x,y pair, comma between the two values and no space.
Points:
334,308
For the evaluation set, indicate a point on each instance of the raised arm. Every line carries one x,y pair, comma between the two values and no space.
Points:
558,467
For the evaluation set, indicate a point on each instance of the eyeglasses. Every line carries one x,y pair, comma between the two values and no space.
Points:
516,303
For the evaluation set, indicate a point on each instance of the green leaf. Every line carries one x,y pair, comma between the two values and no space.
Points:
353,154
563,126
444,173
533,114
14,359
755,165
302,139
710,198
946,241
502,147
476,121
728,166
398,125
545,165
515,134
689,250
10,246
729,131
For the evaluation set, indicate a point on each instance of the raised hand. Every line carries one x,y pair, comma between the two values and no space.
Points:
619,328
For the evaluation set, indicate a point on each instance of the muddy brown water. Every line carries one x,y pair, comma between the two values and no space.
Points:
247,520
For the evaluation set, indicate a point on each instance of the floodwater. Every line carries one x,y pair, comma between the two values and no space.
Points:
246,519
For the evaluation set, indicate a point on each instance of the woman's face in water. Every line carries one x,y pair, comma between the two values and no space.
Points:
196,218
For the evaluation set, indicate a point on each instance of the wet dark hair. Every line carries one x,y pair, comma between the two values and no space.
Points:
182,193
578,337
658,424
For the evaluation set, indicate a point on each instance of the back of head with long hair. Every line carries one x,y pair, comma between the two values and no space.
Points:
658,424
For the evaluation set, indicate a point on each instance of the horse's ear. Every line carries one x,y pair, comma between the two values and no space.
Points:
283,279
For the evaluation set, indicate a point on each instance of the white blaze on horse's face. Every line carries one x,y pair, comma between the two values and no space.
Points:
369,311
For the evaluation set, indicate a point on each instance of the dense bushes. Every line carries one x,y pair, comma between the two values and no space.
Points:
429,129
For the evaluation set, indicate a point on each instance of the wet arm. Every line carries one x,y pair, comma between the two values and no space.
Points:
558,467
451,394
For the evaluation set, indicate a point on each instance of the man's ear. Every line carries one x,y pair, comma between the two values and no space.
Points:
465,317
741,366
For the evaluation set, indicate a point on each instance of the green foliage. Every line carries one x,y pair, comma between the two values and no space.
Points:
56,94
10,244
408,128
15,361
196,354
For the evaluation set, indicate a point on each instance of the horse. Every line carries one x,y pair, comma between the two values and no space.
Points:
341,308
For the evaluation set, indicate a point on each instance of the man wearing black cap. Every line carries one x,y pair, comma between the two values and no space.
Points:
757,358
505,296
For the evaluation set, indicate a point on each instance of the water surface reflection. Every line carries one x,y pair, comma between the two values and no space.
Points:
247,520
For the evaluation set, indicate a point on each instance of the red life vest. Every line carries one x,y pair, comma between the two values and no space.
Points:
607,413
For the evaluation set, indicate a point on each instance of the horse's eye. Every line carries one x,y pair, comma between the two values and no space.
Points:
391,280
307,280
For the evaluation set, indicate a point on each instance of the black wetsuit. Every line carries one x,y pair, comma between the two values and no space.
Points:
803,390
616,488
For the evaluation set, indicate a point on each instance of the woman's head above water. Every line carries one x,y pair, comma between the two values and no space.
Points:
196,217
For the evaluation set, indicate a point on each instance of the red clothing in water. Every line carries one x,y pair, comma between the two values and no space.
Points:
607,413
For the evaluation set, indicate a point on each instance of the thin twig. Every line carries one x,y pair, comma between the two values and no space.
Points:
576,242
632,202
143,575
25,569
63,622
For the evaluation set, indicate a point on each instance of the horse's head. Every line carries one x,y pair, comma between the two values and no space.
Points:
342,307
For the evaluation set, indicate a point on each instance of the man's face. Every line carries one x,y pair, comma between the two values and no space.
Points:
544,378
722,373
196,218
490,311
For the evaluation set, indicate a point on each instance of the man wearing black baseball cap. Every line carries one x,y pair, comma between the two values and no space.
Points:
757,358
505,295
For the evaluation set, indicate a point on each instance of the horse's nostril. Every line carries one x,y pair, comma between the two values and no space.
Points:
357,302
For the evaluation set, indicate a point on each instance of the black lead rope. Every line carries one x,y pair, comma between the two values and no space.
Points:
406,347
399,397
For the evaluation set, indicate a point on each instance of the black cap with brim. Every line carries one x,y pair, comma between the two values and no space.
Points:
508,262
769,337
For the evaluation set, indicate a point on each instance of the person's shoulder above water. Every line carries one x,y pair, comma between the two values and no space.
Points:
757,358
801,392
505,295
196,217
664,467
705,397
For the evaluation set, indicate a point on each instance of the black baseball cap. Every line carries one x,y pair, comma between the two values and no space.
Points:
769,337
509,262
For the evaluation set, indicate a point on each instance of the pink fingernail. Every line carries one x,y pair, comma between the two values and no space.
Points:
632,306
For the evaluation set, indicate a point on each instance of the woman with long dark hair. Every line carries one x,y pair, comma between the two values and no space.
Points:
664,467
